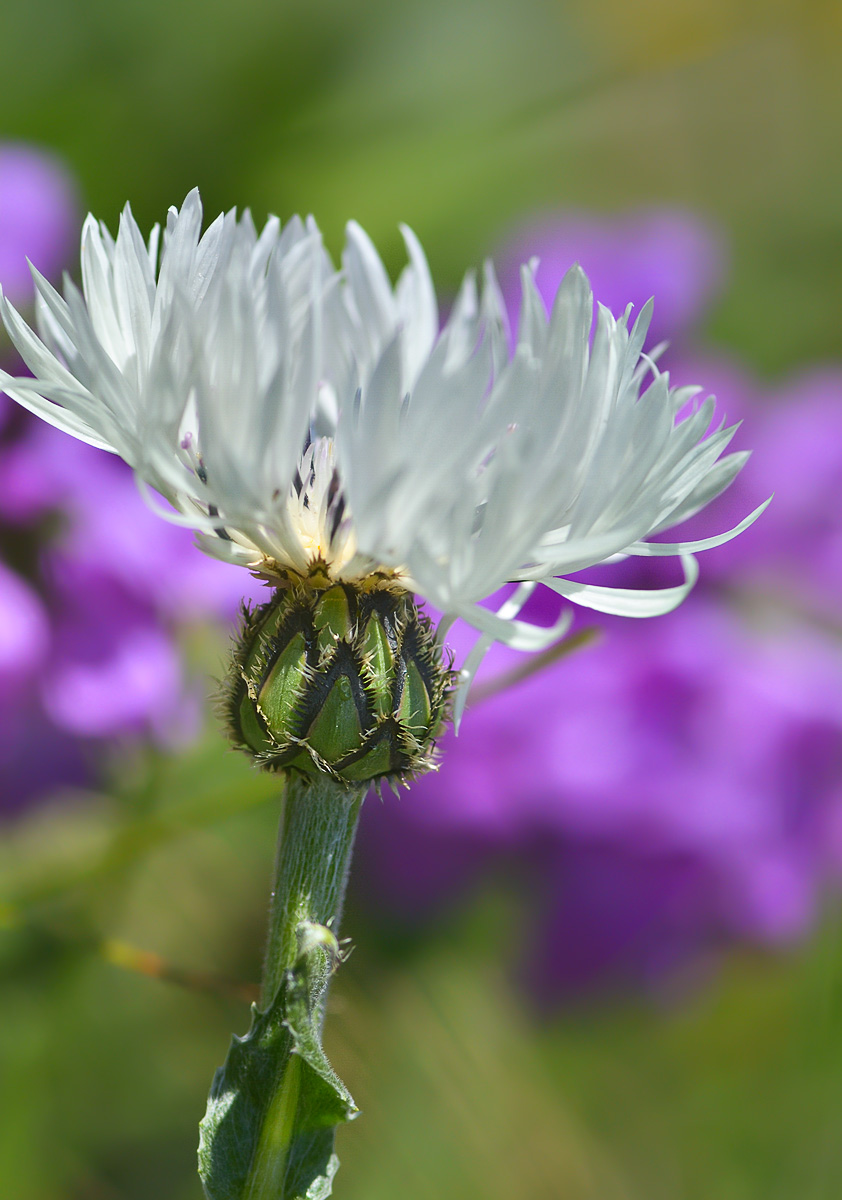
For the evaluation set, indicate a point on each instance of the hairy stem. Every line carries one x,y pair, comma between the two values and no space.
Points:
274,1106
315,842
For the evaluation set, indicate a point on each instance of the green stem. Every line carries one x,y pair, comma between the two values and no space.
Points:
315,842
269,1128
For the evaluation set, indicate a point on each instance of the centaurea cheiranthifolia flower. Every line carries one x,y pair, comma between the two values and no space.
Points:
318,427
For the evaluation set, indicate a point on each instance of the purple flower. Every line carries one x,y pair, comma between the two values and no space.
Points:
116,581
39,217
675,785
793,557
33,755
114,667
108,526
24,632
665,253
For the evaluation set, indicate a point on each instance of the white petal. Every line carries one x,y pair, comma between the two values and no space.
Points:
532,327
649,549
416,300
54,414
520,635
503,627
370,285
628,602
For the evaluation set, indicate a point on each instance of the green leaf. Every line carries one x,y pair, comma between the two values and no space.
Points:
272,1113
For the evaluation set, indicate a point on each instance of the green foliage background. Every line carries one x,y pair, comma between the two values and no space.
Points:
458,117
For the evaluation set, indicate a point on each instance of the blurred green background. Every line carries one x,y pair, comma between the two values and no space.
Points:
458,117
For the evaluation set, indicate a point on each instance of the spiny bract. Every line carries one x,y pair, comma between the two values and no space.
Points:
338,679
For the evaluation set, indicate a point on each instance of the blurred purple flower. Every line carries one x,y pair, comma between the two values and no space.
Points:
108,527
32,755
24,632
680,784
677,784
667,254
793,556
116,581
39,217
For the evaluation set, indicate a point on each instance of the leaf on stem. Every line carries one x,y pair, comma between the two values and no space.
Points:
269,1129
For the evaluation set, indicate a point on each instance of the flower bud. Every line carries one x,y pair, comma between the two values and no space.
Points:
341,679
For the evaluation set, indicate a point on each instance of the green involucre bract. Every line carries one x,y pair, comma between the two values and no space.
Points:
339,679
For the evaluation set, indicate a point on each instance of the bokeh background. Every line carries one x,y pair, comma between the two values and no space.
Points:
598,955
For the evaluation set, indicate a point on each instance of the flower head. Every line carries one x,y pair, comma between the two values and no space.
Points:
314,422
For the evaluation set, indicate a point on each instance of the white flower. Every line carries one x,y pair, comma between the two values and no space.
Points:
294,414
